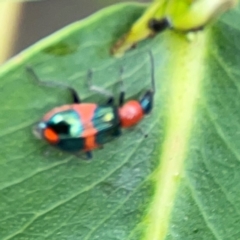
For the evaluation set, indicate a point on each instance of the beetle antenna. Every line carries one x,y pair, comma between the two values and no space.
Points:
152,70
122,90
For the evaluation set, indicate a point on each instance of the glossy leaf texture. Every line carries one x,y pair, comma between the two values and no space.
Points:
181,182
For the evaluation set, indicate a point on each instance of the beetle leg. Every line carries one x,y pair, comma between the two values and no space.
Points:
86,156
89,155
98,89
73,92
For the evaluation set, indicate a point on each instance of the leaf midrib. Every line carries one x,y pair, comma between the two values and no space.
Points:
185,70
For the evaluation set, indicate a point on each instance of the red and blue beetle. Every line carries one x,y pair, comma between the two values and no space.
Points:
82,127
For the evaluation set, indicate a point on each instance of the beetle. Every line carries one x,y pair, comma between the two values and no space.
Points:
83,127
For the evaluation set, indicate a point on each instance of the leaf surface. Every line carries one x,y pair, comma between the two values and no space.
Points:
181,182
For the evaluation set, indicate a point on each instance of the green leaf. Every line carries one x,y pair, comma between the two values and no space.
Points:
181,182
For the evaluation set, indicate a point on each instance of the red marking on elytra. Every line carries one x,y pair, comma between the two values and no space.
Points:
57,110
50,135
86,112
